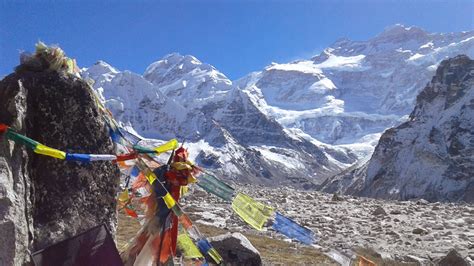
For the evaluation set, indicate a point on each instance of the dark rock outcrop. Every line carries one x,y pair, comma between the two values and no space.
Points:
453,258
43,199
236,249
429,156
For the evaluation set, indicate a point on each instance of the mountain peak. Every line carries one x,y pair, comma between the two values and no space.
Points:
99,71
175,57
401,30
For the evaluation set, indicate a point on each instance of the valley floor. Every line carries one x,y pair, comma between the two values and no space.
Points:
402,231
408,231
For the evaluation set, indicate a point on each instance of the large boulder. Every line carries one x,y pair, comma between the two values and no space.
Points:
42,199
453,258
236,249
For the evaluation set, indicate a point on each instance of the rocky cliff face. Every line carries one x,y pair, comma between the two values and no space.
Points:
42,199
431,155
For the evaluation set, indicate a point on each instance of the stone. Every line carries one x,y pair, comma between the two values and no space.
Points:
453,258
422,202
236,249
44,200
336,197
395,211
419,231
379,211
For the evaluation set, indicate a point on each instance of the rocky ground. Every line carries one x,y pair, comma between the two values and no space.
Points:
404,231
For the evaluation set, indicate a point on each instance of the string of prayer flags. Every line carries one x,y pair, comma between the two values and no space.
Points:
252,212
166,196
291,229
45,150
205,246
215,186
190,250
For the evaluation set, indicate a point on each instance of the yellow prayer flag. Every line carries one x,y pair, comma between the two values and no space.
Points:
251,211
45,150
169,200
183,190
123,196
188,248
150,176
168,146
181,166
192,179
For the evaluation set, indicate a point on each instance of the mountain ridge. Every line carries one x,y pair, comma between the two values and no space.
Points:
326,106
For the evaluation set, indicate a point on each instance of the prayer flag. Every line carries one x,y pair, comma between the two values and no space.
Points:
213,185
85,158
168,146
251,211
102,157
188,248
293,230
18,138
45,150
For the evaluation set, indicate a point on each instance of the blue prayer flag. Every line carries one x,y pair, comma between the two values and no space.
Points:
84,158
204,245
293,230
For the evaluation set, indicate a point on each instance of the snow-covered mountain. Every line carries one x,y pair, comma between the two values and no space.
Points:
294,123
432,154
179,96
354,88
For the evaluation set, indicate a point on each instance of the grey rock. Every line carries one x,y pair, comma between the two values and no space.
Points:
422,202
453,258
236,249
379,211
44,200
419,231
337,197
396,211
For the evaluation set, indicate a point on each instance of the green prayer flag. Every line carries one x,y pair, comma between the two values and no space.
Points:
18,138
213,185
142,149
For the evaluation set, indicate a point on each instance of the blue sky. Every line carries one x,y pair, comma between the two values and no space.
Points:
237,37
